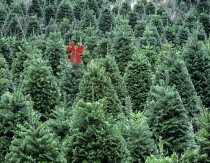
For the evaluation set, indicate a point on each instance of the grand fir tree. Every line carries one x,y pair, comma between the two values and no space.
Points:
96,85
34,143
94,138
41,85
167,118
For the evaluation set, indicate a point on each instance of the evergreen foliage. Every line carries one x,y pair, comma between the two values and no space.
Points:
70,76
49,13
150,8
117,80
122,50
174,71
167,117
96,85
139,138
132,17
35,9
137,78
93,5
33,27
197,62
94,138
65,11
106,20
13,28
6,51
78,9
34,143
88,19
41,85
55,52
13,109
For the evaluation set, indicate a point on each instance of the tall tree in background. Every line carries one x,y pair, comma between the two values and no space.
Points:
167,118
49,13
65,11
33,27
132,17
198,64
13,28
70,76
96,85
88,19
41,85
125,8
151,37
94,138
35,9
92,5
55,51
150,8
117,80
78,9
5,76
106,20
122,47
6,50
137,78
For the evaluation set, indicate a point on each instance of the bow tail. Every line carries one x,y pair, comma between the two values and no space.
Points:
72,57
78,59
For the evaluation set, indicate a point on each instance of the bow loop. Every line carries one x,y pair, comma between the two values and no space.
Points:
75,52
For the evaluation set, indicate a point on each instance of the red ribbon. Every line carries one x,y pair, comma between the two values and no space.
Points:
75,52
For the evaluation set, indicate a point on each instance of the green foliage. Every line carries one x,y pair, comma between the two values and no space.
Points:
13,109
6,50
132,17
35,9
151,37
96,85
78,9
117,80
172,159
150,8
41,85
92,5
94,138
65,11
205,20
49,13
106,20
204,134
139,138
197,62
70,76
5,76
122,50
139,8
34,143
174,71
19,8
13,27
55,51
137,78
125,8
168,119
88,19
33,27
203,6
139,29
3,13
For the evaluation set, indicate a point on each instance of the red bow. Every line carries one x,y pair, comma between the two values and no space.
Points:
75,52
